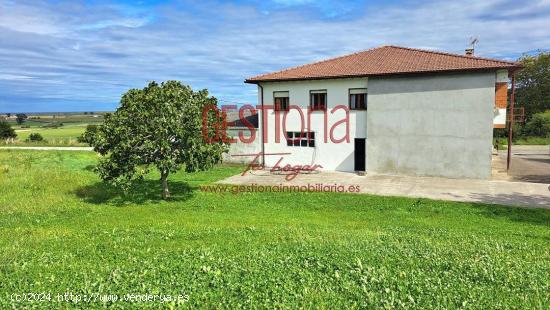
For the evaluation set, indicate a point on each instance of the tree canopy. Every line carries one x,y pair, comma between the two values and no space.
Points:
538,125
20,118
88,135
159,126
533,84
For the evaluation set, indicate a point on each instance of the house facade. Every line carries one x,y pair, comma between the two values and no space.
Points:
388,110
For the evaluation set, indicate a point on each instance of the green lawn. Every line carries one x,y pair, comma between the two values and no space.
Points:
61,230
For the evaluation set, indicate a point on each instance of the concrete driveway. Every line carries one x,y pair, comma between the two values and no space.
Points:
524,194
530,163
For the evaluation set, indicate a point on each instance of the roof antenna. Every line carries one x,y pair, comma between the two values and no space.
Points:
473,42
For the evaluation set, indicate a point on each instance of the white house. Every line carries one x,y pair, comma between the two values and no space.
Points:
411,111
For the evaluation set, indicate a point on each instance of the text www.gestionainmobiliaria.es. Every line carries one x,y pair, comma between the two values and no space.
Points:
279,188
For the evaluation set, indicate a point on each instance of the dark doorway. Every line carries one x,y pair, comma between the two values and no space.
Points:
359,155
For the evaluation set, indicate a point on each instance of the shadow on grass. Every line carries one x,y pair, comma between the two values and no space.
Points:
514,206
531,215
142,192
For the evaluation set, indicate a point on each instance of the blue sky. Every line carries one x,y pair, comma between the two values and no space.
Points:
82,55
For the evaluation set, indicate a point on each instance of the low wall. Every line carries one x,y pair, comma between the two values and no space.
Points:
240,148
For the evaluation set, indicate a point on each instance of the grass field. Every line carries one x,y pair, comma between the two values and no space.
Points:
61,230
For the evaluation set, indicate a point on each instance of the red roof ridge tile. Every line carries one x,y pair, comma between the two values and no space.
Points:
453,54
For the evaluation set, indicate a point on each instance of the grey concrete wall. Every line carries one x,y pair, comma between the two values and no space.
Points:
438,125
240,148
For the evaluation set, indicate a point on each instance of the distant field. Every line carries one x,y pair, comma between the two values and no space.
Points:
42,120
73,125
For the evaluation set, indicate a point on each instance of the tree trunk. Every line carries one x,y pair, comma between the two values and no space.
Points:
164,179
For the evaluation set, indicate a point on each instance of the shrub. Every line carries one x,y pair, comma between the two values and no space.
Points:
501,134
538,125
517,132
35,137
6,131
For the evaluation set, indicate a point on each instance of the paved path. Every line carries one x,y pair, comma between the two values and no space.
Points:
529,167
530,163
530,149
48,148
535,195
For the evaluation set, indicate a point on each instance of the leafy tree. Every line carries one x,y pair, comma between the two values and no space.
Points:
158,126
6,131
88,135
20,118
533,84
538,125
8,115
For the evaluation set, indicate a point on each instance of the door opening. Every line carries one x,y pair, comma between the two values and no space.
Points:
359,154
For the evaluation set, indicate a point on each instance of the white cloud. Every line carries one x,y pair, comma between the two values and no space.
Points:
14,77
27,18
96,53
123,22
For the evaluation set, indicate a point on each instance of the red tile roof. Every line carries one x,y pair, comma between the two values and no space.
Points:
385,60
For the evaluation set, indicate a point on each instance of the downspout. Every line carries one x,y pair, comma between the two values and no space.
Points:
262,120
512,99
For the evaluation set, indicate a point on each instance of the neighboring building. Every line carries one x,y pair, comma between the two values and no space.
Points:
238,149
412,112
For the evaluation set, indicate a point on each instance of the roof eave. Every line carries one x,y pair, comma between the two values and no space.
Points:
512,67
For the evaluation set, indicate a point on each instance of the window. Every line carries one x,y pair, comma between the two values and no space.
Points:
300,139
358,99
318,100
281,101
